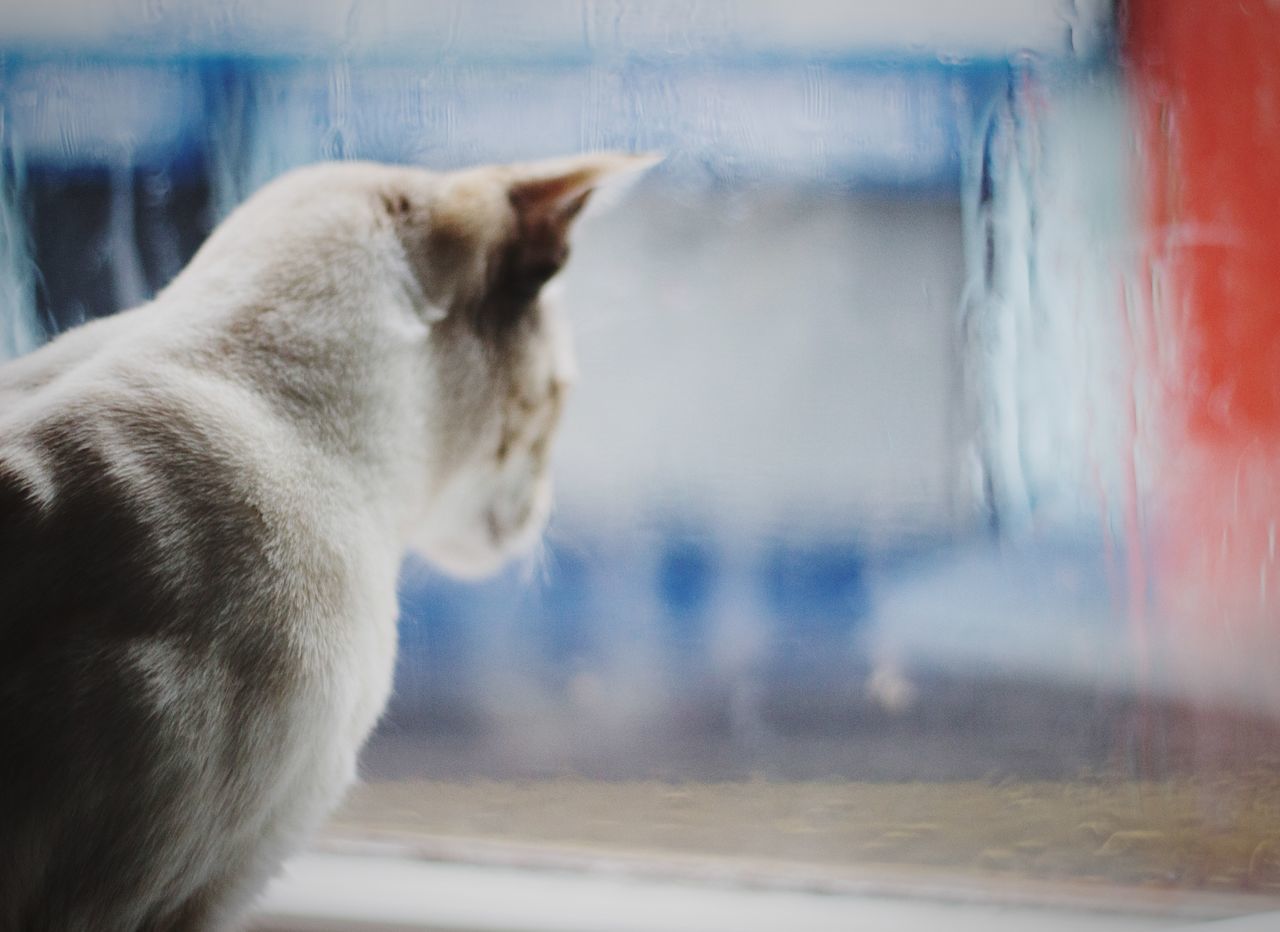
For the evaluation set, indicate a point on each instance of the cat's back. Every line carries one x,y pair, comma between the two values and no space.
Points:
165,581
105,436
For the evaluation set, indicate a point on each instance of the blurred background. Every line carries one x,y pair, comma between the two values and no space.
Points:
923,459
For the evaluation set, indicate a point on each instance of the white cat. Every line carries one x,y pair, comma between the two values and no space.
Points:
203,507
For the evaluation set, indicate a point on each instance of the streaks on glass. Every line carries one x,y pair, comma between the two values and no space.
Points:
19,331
892,496
1050,242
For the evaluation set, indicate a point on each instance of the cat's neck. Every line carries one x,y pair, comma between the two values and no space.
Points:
327,332
340,378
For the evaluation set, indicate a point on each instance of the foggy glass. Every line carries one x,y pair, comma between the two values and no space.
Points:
866,544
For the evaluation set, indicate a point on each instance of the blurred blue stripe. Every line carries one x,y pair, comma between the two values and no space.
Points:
897,123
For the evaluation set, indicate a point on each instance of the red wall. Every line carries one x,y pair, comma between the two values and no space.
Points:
1205,81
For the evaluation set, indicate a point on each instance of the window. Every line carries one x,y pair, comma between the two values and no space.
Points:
916,507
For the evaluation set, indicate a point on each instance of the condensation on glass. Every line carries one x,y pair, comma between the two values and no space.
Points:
917,504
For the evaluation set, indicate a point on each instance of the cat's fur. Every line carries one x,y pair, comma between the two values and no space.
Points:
203,507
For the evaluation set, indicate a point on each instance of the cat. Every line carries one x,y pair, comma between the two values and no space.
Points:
204,502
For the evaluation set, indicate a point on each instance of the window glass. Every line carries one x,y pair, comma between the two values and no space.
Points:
916,503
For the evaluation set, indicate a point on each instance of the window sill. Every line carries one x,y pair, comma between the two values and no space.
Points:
387,892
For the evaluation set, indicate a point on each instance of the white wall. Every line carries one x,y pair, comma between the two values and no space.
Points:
769,358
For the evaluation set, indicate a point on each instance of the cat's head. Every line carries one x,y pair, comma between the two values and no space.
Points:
484,243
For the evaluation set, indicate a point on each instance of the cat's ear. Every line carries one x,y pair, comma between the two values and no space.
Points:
547,197
554,191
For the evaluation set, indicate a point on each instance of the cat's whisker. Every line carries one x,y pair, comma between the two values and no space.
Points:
532,564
